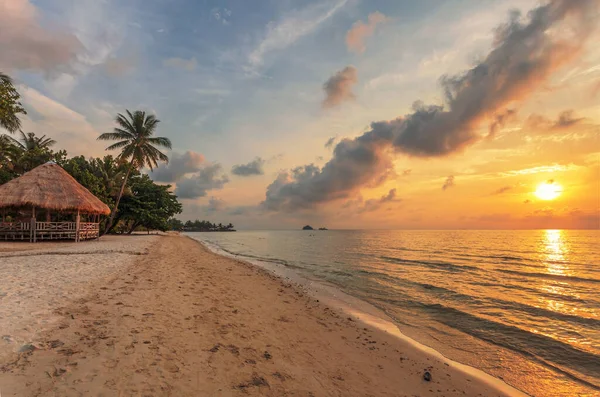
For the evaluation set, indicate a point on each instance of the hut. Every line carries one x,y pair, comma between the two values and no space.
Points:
48,204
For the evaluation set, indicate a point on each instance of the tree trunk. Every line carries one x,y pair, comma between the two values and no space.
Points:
133,227
116,207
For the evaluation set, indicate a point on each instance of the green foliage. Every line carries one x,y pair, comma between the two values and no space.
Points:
10,107
145,204
149,206
136,141
206,226
138,147
175,224
18,157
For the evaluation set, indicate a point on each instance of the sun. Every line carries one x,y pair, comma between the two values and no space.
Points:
548,190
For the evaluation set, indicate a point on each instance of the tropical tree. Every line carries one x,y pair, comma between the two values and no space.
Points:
10,107
29,142
136,140
149,205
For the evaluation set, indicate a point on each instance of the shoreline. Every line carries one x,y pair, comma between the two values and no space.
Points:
365,313
182,320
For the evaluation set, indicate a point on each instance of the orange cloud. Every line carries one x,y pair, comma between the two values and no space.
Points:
338,88
355,38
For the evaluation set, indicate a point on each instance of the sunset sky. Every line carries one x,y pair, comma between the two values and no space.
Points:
337,113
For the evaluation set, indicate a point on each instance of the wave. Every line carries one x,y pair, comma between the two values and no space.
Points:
434,264
542,348
545,294
549,276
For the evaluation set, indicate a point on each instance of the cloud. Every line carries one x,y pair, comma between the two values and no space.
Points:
178,166
209,177
500,119
26,44
565,119
72,130
181,63
355,38
338,88
501,190
449,183
214,205
541,168
254,167
330,142
375,204
290,28
524,55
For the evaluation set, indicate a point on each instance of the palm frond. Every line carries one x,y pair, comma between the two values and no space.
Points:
118,145
125,123
112,136
160,141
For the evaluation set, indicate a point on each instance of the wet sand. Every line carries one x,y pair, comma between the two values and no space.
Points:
178,320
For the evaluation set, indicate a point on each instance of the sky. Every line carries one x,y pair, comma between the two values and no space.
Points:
348,114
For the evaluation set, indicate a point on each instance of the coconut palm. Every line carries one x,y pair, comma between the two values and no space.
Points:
10,106
8,151
29,141
111,172
137,144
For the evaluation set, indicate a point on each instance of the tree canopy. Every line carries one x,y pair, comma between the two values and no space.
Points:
136,140
10,105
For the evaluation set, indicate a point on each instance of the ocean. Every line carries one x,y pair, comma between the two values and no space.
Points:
523,306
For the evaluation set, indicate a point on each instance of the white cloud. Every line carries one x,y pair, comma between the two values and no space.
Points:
70,129
290,28
26,44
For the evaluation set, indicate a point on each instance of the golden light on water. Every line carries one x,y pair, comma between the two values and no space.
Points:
555,252
548,190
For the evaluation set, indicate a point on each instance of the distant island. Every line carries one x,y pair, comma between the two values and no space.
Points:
200,226
309,227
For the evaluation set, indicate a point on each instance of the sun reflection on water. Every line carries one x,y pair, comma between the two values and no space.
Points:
555,251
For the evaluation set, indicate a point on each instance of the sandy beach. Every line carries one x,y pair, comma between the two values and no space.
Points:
163,316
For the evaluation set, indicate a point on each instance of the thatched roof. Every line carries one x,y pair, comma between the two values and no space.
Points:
49,186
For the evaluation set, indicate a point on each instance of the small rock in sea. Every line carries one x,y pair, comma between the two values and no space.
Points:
427,376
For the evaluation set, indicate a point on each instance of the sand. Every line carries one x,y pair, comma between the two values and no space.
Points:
178,320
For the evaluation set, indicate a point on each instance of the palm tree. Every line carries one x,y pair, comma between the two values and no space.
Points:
137,143
29,142
9,105
111,172
8,151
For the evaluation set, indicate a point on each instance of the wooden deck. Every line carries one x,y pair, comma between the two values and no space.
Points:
38,231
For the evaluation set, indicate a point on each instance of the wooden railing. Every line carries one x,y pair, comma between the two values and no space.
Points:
34,231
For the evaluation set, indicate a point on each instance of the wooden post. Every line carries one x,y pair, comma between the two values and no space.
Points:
77,227
32,234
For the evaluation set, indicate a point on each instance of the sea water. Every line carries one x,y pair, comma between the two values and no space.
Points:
523,306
